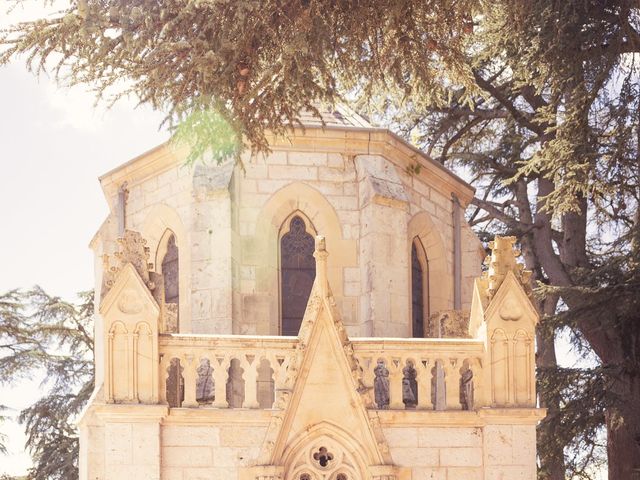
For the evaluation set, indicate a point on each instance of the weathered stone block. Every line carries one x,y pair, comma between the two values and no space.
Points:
192,456
421,473
401,436
461,457
234,456
449,437
464,474
415,457
117,437
308,158
210,473
190,435
499,444
237,436
292,172
510,473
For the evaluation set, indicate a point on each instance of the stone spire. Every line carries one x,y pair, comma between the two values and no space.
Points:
321,254
502,261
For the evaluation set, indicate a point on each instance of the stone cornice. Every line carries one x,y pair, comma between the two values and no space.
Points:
349,141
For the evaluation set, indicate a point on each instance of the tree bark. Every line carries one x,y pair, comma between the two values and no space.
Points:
552,466
623,430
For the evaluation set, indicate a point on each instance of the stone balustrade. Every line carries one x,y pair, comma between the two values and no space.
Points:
493,367
223,370
427,374
229,371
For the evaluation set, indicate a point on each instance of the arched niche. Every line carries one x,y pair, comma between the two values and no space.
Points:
145,380
119,365
440,279
160,223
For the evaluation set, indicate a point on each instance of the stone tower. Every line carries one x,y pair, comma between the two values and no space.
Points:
314,314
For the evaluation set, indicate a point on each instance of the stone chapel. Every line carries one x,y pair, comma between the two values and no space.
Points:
317,313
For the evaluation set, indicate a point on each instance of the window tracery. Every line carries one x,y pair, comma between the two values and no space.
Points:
298,271
323,459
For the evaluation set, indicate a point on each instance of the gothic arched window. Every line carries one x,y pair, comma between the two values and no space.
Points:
419,288
170,277
297,273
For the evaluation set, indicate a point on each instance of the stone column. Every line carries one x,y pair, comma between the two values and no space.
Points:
384,255
211,248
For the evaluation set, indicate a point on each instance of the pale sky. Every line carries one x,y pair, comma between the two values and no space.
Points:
53,147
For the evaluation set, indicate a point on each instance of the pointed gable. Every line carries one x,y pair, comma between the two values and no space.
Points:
327,400
511,304
129,294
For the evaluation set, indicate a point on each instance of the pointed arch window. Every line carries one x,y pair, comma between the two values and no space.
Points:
297,273
419,288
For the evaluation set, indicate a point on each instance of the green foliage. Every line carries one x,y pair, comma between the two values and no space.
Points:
578,424
44,337
255,63
11,319
208,136
550,139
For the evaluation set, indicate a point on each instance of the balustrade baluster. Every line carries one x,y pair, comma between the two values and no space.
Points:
452,382
220,374
395,383
190,376
250,377
368,375
424,385
279,377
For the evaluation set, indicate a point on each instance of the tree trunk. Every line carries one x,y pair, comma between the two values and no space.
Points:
552,466
623,431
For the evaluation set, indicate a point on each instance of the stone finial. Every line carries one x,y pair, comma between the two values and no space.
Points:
502,261
133,250
321,254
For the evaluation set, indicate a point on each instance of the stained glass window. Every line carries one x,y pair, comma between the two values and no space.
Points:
417,293
298,271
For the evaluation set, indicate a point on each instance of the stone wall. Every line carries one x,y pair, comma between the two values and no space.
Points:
446,446
491,452
227,222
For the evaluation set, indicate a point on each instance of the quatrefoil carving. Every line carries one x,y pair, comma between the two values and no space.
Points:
323,457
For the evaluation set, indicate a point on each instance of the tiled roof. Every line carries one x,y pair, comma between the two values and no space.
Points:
337,116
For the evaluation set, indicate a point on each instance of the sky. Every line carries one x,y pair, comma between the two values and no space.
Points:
53,146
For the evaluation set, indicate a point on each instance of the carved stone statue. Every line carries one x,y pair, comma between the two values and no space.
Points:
204,383
175,383
466,389
409,386
381,385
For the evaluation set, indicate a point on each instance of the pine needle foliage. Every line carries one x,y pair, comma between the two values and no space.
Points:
46,337
550,140
11,320
255,63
